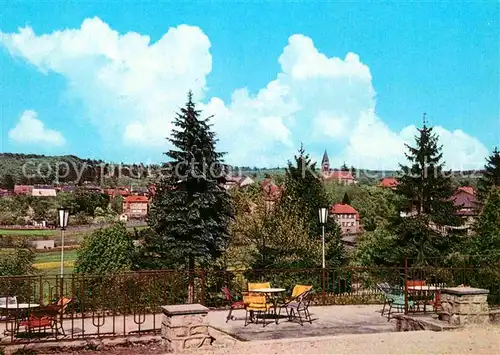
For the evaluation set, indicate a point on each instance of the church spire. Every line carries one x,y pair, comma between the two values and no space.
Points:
325,163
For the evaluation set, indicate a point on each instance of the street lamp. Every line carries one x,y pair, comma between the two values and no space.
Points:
323,216
63,223
268,204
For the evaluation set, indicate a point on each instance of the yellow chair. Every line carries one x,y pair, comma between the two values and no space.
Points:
300,289
255,303
256,285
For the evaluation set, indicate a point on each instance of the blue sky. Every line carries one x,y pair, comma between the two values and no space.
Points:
103,80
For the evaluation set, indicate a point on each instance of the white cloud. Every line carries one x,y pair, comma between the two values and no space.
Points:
133,86
30,129
127,83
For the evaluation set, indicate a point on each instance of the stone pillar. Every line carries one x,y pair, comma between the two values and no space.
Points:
184,327
464,305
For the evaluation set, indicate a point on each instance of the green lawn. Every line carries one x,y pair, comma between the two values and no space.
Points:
48,257
28,232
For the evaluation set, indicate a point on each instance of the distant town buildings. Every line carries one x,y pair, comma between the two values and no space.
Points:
339,176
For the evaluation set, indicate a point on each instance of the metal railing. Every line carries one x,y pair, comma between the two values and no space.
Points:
130,303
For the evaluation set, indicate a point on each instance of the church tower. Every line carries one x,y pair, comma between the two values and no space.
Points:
325,163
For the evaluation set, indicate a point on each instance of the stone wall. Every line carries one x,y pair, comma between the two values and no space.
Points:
464,305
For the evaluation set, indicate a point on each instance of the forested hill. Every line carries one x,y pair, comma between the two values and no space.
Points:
41,169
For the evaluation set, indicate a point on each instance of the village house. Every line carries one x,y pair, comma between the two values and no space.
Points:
339,176
271,192
135,206
346,217
23,189
389,182
43,192
241,181
466,204
348,220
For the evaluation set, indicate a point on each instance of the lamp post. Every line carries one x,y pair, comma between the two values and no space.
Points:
63,223
268,208
323,216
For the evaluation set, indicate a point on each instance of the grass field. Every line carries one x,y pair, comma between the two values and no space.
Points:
28,232
49,262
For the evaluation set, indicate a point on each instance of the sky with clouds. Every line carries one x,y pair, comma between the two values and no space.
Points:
104,82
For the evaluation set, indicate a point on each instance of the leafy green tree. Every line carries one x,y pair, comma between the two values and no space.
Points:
304,191
491,175
191,210
87,201
117,204
8,182
106,251
346,200
17,260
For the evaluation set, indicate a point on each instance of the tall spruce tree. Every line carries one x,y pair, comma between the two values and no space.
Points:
424,183
426,188
191,211
491,175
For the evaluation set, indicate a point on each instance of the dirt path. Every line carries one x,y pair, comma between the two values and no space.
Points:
472,341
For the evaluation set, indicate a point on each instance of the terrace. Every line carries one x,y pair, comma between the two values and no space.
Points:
344,301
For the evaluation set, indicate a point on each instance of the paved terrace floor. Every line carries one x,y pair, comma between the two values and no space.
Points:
327,320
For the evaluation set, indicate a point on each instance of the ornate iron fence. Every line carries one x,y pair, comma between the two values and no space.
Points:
130,303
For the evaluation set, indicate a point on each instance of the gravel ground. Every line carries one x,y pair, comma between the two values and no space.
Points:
479,340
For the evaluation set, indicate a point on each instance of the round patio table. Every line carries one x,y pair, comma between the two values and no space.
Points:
272,293
14,314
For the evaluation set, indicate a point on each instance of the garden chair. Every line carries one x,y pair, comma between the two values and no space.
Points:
256,285
298,304
389,294
233,304
256,305
394,297
48,317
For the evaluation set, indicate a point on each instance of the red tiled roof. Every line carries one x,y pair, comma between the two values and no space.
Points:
468,189
130,199
270,189
340,208
22,188
338,174
389,182
465,197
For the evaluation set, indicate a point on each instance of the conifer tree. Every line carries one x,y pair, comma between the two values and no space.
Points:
191,211
303,188
425,186
424,183
346,200
491,175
